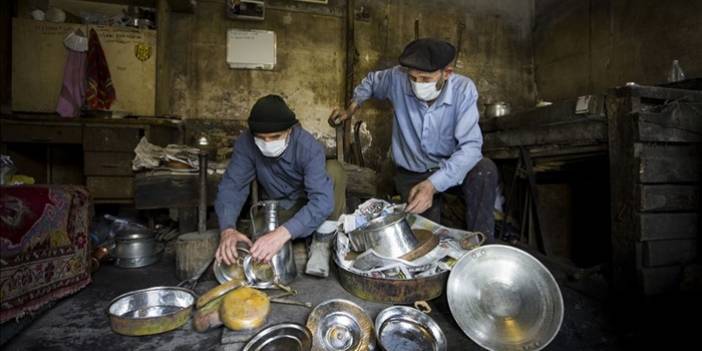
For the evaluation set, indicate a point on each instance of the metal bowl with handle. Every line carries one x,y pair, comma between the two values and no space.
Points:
408,329
389,235
505,299
150,311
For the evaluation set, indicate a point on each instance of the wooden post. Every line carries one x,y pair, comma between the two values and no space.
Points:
194,250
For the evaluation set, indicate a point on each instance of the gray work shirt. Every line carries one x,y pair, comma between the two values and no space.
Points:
299,173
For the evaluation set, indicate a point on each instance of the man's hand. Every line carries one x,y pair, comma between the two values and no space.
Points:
420,197
339,115
227,245
268,245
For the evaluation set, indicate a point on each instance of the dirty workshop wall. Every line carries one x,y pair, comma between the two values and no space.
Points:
195,82
581,47
309,71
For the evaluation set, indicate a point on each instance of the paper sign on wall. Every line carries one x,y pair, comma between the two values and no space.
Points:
251,49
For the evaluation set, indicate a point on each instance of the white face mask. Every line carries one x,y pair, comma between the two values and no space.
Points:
425,91
273,148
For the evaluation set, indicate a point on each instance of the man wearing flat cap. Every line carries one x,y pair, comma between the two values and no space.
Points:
436,140
289,164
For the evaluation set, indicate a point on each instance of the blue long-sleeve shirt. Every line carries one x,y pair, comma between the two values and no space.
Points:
444,135
296,174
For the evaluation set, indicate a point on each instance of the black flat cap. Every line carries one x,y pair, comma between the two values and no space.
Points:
427,54
271,114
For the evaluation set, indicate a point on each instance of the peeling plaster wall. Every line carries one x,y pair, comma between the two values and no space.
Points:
584,47
496,54
308,74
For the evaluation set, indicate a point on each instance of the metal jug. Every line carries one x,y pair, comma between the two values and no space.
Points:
282,264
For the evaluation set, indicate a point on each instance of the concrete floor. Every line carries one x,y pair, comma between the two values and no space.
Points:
80,322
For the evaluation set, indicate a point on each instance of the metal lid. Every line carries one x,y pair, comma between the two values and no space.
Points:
340,325
135,236
505,299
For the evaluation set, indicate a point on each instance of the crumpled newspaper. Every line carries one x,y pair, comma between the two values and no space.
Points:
365,212
453,244
150,156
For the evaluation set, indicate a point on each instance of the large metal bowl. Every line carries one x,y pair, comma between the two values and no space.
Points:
505,299
340,325
389,235
281,337
407,329
150,311
398,291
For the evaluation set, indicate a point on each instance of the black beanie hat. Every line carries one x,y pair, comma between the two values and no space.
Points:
427,54
270,114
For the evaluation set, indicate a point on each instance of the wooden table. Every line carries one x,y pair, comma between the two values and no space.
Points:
45,147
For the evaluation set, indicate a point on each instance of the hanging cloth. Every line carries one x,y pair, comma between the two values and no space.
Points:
72,95
100,92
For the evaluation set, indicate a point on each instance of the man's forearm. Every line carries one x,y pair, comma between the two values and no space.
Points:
353,107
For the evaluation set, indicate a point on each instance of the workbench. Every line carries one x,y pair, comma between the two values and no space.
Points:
649,141
46,146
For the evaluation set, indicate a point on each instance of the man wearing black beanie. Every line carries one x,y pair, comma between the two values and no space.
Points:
289,164
436,139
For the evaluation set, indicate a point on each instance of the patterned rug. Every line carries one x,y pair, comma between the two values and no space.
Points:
43,246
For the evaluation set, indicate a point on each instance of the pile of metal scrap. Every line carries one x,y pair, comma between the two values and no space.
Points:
415,247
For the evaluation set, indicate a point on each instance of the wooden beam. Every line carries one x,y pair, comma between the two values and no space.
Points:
658,280
557,113
658,93
587,132
668,163
678,125
669,252
671,198
666,226
547,151
622,170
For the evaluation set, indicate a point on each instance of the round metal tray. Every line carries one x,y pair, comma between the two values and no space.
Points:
505,299
340,325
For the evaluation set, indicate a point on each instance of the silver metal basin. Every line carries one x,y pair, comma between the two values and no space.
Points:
505,299
407,329
150,311
388,235
281,337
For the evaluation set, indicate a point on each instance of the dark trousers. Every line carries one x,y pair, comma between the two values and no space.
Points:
477,192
